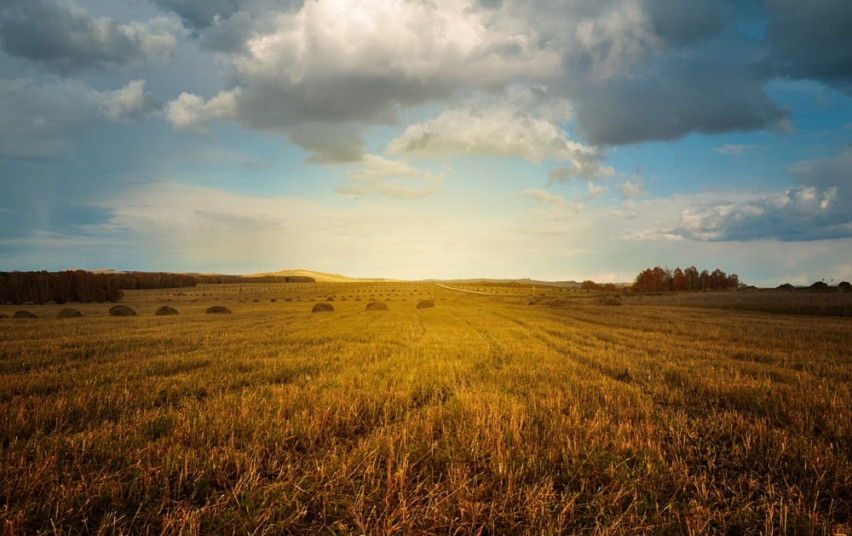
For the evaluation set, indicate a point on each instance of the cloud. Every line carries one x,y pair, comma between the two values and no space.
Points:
330,144
642,70
587,167
335,62
201,13
816,210
797,214
632,70
42,120
65,38
544,197
522,123
632,190
827,172
191,112
515,125
674,95
553,207
380,176
811,40
735,149
131,101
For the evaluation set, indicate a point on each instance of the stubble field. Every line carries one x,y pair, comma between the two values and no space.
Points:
483,415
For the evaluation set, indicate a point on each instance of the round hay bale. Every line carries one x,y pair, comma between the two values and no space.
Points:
69,313
426,304
24,314
4,315
322,308
166,311
121,310
330,298
376,306
218,310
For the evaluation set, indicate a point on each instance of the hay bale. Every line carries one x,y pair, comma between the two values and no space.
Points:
322,308
330,298
376,306
4,315
166,311
69,313
24,314
218,310
121,310
426,304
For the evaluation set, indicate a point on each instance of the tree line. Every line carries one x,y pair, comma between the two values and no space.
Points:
82,286
60,287
659,279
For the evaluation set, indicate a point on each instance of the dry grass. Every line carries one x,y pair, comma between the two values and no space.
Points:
482,416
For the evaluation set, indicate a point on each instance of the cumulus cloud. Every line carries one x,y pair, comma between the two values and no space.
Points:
131,101
632,70
640,70
816,210
65,38
379,176
333,62
42,120
498,128
191,112
523,124
794,215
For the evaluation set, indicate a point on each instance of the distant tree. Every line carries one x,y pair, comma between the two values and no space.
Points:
651,280
679,281
659,279
590,285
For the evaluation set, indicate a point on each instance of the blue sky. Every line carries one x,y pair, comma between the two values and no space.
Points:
559,139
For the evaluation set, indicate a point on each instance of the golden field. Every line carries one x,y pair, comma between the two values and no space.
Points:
500,414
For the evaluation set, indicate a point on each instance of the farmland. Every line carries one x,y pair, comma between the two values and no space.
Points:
492,413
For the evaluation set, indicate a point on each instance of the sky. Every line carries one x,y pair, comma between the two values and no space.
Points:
411,139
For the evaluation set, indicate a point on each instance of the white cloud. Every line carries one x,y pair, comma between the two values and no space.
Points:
191,112
494,129
129,101
378,176
346,65
523,123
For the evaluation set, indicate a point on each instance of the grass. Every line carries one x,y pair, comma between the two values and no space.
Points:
484,415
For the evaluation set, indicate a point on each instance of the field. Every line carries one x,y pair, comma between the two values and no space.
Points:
488,414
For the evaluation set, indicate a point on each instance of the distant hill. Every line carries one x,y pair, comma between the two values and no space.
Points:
317,276
525,282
